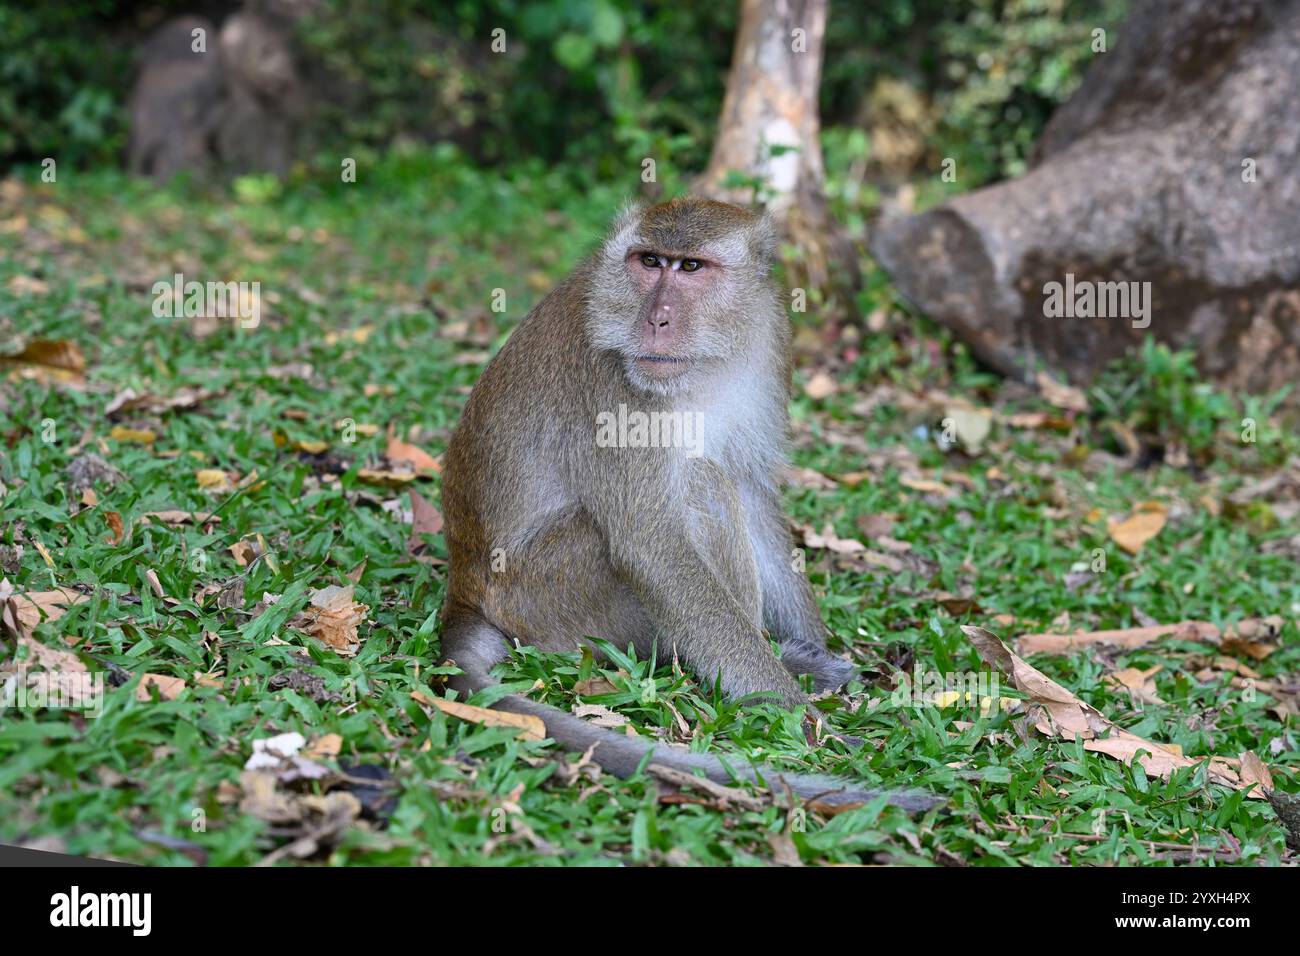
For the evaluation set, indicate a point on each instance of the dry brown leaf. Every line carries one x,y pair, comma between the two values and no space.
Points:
888,562
928,486
827,540
180,517
600,715
155,585
64,675
247,550
1256,638
263,800
425,519
820,386
1127,637
851,479
1140,683
407,454
169,688
1062,396
53,659
114,521
594,687
1061,714
364,429
28,285
49,360
724,794
355,574
893,545
1253,770
1139,527
877,525
807,478
129,400
333,616
530,727
26,610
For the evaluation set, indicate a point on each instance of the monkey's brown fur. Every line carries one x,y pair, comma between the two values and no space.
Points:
555,537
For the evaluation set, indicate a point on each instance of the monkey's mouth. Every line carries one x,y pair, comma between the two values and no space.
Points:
660,366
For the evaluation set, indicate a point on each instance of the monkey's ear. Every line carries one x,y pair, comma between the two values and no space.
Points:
630,214
621,234
764,239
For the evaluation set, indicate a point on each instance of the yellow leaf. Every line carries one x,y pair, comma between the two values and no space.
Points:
387,479
213,479
141,436
327,746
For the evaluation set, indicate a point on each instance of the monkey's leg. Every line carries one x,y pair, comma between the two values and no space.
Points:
790,610
651,548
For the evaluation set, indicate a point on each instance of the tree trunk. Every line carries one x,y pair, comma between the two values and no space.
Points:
768,134
1172,170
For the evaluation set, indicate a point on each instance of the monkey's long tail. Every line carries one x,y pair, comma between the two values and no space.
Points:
623,755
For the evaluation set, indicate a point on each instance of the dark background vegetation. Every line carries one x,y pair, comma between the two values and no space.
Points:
596,85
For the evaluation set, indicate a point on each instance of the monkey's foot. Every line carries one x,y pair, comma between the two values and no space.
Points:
804,657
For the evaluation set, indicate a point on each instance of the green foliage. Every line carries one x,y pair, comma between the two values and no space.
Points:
1010,63
597,84
992,70
604,83
62,82
1158,391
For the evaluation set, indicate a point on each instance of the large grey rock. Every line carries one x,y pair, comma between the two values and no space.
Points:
1139,178
174,107
236,106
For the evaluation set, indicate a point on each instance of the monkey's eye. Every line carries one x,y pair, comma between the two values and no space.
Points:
691,265
650,260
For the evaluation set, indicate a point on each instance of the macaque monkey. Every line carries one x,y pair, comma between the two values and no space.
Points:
563,524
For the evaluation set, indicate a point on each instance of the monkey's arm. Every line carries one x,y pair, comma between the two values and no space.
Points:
790,609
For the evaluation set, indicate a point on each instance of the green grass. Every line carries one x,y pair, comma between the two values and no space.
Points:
420,243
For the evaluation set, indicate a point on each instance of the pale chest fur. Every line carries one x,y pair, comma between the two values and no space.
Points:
742,422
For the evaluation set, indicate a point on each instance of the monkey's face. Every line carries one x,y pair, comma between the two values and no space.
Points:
674,290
